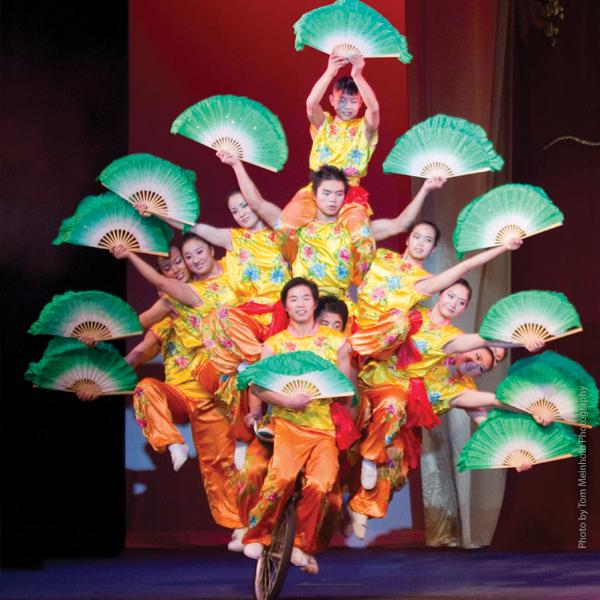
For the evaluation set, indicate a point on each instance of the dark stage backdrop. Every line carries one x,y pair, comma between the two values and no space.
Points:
557,93
64,117
181,53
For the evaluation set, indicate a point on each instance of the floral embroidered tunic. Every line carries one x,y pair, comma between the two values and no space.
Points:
429,340
442,386
328,256
325,343
213,293
344,145
388,285
180,361
256,265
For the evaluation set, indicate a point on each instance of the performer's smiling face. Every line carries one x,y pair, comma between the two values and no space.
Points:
346,105
474,363
453,301
330,197
174,266
243,215
198,256
421,241
300,304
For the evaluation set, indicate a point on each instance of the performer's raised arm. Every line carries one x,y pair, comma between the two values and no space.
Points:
314,110
437,283
385,228
266,210
367,94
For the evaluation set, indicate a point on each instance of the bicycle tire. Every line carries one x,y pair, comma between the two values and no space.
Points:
272,566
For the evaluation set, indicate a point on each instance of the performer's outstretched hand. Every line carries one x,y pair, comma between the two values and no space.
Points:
513,243
142,208
86,396
433,183
89,341
336,62
535,346
227,158
358,64
120,251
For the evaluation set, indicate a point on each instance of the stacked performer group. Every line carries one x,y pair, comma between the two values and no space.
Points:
306,332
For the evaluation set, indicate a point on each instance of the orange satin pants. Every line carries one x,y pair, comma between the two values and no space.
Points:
252,477
383,446
159,406
295,448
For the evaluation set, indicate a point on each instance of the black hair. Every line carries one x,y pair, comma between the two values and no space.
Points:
492,355
297,281
327,173
437,234
465,284
233,193
346,85
186,237
334,305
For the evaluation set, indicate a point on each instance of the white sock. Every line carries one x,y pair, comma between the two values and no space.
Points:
239,454
368,474
179,454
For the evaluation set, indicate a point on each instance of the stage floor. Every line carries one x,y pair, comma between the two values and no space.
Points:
373,573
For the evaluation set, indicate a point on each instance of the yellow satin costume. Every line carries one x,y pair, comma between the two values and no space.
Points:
385,297
257,270
387,389
181,398
303,439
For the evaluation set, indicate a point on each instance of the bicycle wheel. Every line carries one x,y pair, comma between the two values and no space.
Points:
272,566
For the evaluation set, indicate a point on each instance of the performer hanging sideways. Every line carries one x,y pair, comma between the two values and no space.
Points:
192,302
304,433
397,392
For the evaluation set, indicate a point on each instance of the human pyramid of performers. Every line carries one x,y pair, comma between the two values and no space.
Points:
306,333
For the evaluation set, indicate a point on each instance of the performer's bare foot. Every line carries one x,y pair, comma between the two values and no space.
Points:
312,567
299,558
253,550
236,545
179,454
359,524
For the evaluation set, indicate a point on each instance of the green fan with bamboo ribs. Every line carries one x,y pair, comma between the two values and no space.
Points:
528,317
300,372
548,393
163,188
507,211
349,28
443,146
105,221
242,127
93,314
70,366
553,386
512,440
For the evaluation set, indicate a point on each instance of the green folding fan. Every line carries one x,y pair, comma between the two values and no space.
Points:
544,391
93,314
580,407
104,221
506,440
166,189
443,146
525,317
300,372
238,125
70,366
506,211
348,28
